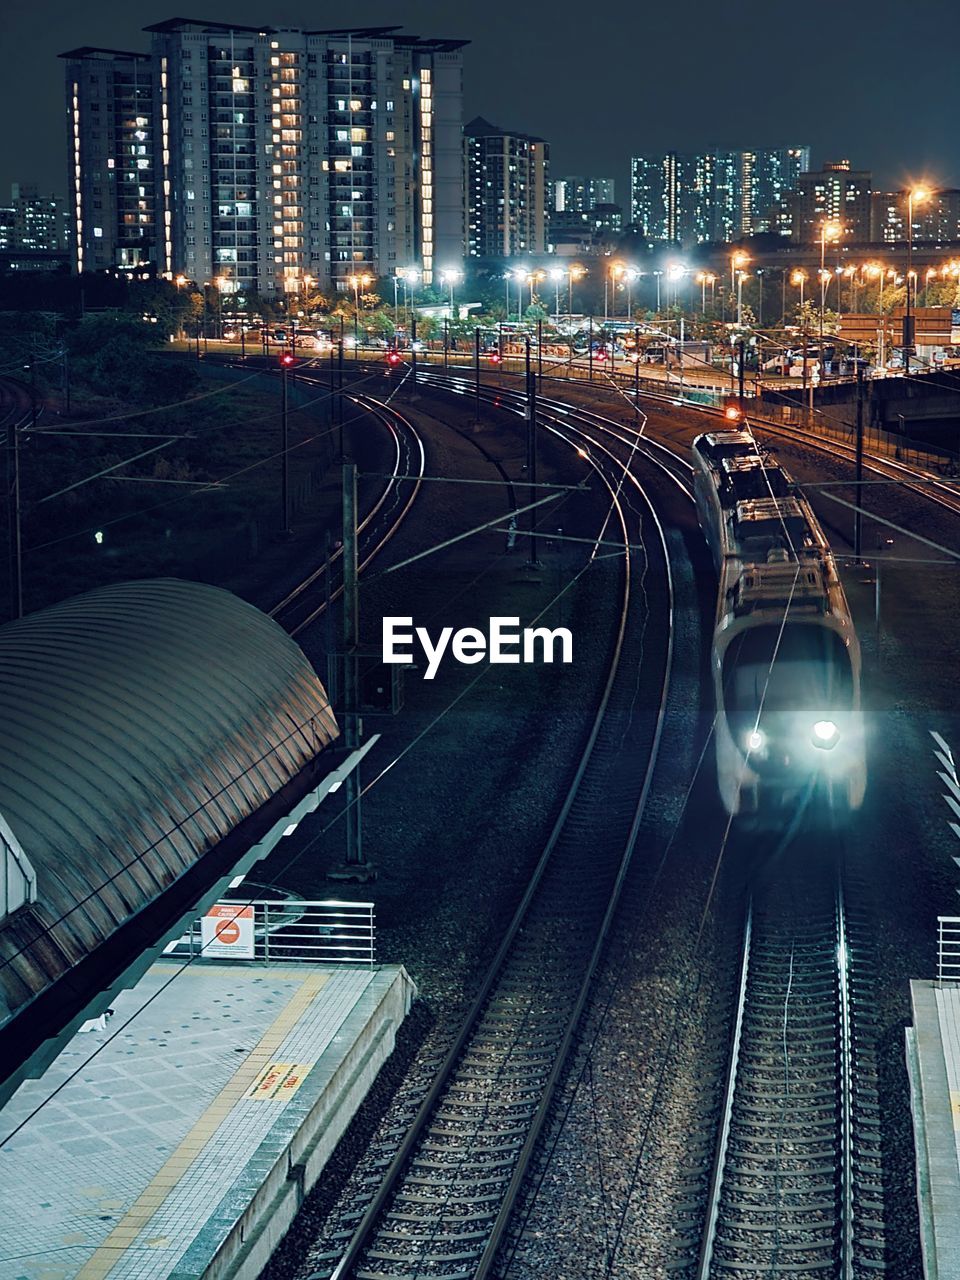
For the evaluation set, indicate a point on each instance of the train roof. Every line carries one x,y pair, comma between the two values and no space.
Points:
782,582
722,444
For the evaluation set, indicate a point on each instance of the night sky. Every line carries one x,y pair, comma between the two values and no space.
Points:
872,82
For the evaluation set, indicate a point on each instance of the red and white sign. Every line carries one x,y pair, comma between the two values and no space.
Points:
226,932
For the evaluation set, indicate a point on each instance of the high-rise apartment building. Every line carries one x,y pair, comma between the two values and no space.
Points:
936,219
265,157
834,193
39,221
687,198
580,195
112,158
505,178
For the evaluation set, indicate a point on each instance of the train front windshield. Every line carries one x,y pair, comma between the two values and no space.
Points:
774,676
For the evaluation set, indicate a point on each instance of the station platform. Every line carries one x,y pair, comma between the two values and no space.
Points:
178,1137
933,1064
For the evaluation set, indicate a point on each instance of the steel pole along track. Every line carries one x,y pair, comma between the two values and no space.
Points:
781,1200
445,1201
309,598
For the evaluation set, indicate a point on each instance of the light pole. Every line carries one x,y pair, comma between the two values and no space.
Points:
738,261
576,272
705,278
450,277
631,275
674,275
357,281
617,269
829,230
658,274
521,277
556,275
916,195
799,278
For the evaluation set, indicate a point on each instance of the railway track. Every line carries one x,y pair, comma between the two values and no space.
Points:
796,1185
310,597
442,1200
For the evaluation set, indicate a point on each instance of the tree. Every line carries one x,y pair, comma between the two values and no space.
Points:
807,317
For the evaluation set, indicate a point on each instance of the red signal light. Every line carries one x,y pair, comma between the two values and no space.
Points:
393,357
495,357
732,413
286,360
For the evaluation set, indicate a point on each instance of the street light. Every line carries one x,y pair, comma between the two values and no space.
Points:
520,275
830,230
221,282
631,275
916,195
450,276
616,270
357,282
576,272
675,274
556,275
798,279
738,261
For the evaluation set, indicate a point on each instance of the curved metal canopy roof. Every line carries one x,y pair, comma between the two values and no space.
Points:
139,725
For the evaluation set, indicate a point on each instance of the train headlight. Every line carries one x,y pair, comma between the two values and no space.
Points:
756,740
825,734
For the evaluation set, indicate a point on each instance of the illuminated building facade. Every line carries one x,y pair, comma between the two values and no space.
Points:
278,154
716,195
506,183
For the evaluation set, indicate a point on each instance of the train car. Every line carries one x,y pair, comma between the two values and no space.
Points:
785,657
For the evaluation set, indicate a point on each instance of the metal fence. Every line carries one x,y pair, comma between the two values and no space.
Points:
285,931
948,948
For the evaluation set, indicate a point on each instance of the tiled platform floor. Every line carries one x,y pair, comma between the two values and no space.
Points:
933,1061
143,1145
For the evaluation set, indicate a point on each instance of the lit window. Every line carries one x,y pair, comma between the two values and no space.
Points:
98,232
406,84
356,104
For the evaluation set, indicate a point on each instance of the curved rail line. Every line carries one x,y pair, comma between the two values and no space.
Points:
797,1183
447,1194
310,597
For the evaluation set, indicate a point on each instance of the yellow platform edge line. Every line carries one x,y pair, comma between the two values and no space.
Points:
105,1257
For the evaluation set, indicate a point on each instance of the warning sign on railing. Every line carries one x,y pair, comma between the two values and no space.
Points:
226,932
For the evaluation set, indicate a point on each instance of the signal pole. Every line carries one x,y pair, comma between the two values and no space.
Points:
533,562
476,372
858,513
286,362
351,700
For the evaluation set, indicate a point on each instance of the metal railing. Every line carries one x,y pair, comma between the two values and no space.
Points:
948,948
290,931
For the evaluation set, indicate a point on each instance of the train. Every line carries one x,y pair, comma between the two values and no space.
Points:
785,660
